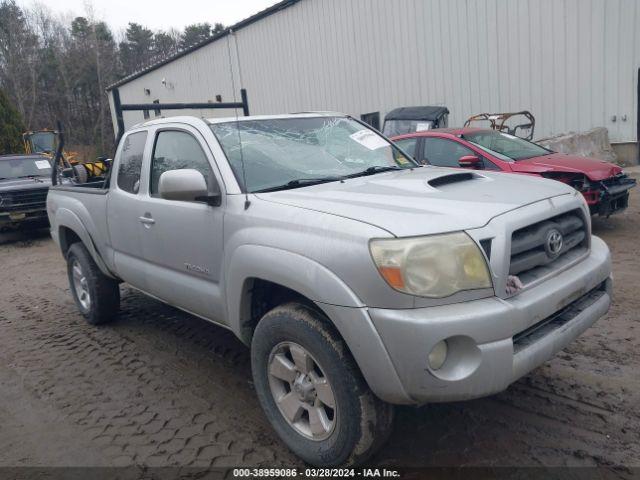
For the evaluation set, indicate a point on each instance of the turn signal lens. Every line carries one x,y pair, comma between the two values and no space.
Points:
393,276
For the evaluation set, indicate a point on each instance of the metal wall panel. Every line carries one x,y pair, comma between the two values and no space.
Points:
573,63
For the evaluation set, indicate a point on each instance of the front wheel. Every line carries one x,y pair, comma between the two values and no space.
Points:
312,391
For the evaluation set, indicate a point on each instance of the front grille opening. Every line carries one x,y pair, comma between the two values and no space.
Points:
561,317
541,248
23,199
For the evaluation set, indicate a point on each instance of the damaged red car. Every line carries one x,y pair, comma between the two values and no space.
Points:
604,185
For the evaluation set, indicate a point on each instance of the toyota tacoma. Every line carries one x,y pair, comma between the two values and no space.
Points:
358,278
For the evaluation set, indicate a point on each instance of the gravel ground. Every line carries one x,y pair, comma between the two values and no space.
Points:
159,387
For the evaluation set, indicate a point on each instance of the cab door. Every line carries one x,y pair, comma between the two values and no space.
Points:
123,210
182,241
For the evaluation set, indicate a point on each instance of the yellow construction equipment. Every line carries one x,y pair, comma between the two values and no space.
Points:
45,142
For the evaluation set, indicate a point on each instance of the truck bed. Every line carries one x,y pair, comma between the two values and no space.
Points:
92,188
84,207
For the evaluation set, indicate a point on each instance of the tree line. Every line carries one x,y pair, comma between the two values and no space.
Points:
52,69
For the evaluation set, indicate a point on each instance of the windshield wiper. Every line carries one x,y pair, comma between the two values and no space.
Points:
373,170
300,182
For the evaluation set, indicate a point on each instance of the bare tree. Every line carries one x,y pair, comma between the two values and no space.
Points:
57,68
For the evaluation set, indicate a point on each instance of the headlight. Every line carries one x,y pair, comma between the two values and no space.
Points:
435,266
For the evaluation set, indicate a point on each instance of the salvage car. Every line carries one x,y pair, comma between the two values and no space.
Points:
604,185
414,119
24,183
358,278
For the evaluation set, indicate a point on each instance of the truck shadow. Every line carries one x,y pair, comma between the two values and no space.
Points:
600,225
23,237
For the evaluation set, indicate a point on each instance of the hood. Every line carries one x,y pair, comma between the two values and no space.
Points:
593,168
11,184
424,200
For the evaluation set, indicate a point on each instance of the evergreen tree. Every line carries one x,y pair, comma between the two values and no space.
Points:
137,48
165,44
194,34
11,127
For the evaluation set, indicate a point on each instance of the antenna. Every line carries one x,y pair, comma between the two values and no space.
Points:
247,202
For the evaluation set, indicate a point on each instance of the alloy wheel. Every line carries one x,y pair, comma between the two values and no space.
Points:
302,391
80,285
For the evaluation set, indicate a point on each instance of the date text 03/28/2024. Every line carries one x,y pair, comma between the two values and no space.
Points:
315,472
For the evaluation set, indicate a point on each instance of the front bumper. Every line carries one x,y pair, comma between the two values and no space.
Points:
22,217
492,342
612,198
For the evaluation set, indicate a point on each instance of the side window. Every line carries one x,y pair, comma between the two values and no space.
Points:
175,150
444,153
131,162
408,145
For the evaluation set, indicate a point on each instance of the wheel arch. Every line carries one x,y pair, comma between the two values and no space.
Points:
256,270
71,230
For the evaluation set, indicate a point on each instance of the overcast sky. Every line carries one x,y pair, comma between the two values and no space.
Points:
158,14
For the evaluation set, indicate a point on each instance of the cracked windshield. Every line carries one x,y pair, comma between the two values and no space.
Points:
286,153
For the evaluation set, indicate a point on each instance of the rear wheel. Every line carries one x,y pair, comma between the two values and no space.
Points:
312,391
96,295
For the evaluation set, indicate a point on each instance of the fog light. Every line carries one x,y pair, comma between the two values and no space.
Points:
438,355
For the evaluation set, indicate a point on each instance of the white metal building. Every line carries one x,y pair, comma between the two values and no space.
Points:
573,63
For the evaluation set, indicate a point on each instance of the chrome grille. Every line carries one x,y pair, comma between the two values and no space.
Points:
23,199
541,248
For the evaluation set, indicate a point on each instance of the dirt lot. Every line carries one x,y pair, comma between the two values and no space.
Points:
159,387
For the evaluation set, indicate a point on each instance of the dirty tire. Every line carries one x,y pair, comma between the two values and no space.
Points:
103,291
363,422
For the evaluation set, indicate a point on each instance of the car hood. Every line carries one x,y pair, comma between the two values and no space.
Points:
11,184
424,200
24,183
593,168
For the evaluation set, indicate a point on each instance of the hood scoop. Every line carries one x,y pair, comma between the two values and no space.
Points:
451,178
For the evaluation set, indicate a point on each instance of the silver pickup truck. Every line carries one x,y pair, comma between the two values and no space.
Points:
358,278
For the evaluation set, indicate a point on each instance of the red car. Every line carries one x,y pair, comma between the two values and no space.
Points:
604,185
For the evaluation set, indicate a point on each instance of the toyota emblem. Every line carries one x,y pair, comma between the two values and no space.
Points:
553,245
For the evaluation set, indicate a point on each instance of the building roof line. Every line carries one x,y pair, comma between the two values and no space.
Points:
227,31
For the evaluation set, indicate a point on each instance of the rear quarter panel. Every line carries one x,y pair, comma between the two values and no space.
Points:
84,211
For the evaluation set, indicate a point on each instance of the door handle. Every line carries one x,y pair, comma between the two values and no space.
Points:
147,220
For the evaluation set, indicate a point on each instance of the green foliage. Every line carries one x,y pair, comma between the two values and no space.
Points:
194,34
165,44
217,28
11,127
198,33
137,48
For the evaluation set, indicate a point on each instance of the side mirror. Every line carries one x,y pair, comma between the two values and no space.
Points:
470,161
187,185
